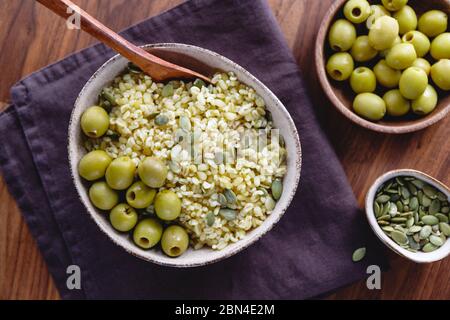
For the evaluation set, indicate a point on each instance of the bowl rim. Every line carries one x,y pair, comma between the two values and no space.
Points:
340,106
418,257
292,127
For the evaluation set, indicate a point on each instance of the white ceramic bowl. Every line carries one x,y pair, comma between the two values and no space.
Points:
282,120
420,257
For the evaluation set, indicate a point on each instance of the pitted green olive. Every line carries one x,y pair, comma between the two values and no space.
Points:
123,218
153,172
95,122
93,165
167,205
120,173
139,195
102,196
174,241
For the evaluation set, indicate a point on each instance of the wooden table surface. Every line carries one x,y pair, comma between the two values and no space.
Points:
32,37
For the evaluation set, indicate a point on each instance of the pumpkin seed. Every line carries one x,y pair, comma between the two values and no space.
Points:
376,209
199,83
430,220
230,196
435,206
399,205
269,203
399,237
167,90
161,120
222,200
393,209
383,223
425,232
441,196
383,199
445,210
429,247
109,96
387,228
414,203
277,189
399,219
418,183
426,201
415,229
412,188
416,237
359,254
430,191
132,68
399,181
445,228
406,214
385,217
413,244
385,209
441,217
416,217
228,214
210,218
437,241
410,222
405,193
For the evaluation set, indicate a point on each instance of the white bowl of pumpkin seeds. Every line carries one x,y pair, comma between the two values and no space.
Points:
409,212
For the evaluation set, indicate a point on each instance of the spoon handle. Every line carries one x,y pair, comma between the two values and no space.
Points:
156,67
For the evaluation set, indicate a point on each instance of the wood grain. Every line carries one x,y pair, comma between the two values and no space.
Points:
26,30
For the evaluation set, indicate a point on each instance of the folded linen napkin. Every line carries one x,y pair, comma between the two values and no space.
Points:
308,252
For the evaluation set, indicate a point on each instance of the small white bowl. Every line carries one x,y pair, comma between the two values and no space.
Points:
282,121
419,257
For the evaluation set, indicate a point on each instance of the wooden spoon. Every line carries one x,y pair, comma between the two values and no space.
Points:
154,66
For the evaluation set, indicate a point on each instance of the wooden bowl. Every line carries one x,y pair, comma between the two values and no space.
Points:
341,94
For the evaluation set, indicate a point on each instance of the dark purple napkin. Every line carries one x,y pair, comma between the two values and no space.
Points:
307,254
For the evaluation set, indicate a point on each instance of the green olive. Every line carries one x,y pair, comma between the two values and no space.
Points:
362,51
140,196
363,80
123,218
440,72
401,56
102,196
167,205
420,42
396,104
394,5
383,33
120,173
342,35
93,165
369,106
413,83
376,11
440,47
340,66
357,11
174,241
433,23
406,18
95,122
384,53
147,233
386,76
423,64
153,172
426,103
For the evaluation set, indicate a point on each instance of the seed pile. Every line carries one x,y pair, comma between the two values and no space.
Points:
413,213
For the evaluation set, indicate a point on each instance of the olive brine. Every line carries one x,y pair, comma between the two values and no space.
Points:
414,214
144,210
403,49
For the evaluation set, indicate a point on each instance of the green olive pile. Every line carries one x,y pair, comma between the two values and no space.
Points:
398,54
130,201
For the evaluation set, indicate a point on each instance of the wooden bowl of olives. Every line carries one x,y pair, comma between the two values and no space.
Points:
385,64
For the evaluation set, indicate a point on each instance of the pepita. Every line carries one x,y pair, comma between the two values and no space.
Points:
425,232
429,247
161,120
437,241
230,196
167,90
399,237
277,189
435,206
210,218
228,214
445,228
383,199
359,254
441,217
430,191
430,220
